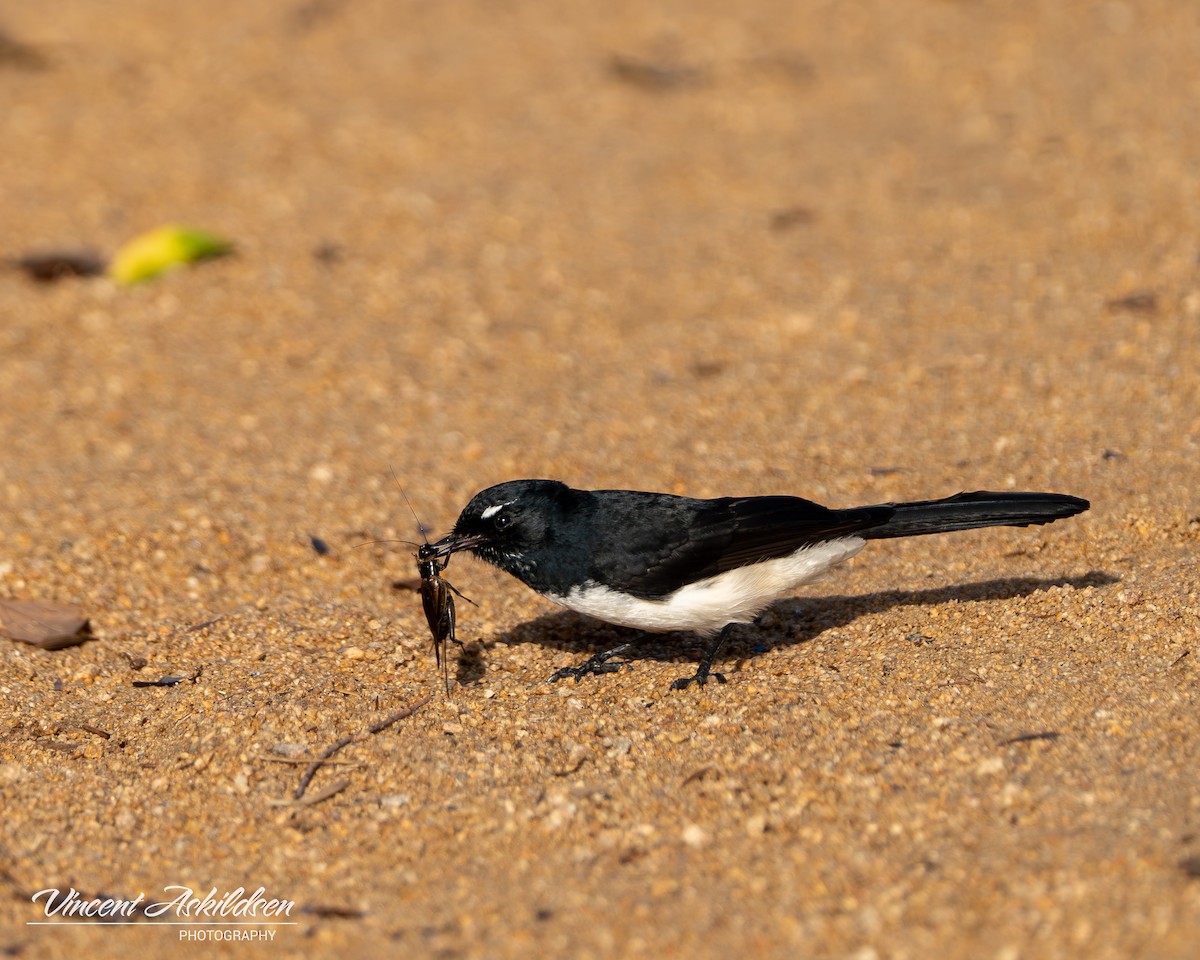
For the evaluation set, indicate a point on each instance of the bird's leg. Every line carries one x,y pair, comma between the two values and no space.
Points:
596,664
705,670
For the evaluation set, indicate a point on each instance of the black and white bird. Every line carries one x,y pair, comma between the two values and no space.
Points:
659,562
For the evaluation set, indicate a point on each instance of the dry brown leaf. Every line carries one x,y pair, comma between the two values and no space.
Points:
50,626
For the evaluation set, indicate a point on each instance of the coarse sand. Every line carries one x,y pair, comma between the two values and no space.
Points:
857,252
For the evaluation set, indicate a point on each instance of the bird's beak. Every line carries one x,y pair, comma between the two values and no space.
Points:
453,542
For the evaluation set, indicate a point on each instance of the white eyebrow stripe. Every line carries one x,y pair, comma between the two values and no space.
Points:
493,510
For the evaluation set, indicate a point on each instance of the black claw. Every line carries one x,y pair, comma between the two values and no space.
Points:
585,669
700,676
596,665
705,670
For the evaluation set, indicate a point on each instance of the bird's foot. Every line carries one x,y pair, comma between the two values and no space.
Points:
701,676
594,665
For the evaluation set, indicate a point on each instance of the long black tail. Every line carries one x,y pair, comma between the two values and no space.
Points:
966,511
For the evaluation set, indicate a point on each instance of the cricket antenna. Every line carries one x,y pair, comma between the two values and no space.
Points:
408,503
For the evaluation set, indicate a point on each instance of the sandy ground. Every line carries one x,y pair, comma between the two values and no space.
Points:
856,252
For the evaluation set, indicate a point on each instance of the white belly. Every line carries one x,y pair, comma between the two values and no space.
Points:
704,607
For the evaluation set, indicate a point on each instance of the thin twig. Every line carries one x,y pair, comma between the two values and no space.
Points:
204,623
374,728
314,798
324,794
301,761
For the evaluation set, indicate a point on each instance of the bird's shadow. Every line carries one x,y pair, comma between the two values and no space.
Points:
785,623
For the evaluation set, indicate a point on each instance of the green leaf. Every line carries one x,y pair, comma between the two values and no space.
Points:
162,249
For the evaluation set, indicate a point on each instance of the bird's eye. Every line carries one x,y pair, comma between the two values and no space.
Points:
502,520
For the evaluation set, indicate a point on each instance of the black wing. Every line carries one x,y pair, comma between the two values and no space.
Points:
656,543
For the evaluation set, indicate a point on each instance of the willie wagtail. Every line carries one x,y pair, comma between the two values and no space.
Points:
659,562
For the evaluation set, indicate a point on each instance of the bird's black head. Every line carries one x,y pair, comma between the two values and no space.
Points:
509,524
